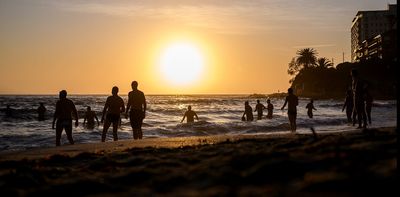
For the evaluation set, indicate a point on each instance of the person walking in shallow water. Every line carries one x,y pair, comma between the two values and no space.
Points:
248,111
190,114
259,108
65,108
358,87
41,112
112,110
137,106
270,109
310,107
348,105
292,101
89,117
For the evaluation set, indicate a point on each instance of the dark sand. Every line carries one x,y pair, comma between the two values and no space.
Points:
351,163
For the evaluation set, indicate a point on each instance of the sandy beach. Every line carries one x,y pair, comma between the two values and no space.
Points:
351,163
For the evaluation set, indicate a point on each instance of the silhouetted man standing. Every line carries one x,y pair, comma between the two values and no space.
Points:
358,87
137,106
63,114
112,110
41,112
292,102
190,114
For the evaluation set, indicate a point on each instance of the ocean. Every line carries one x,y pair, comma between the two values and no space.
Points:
218,115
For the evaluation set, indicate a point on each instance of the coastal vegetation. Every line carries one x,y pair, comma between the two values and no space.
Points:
317,77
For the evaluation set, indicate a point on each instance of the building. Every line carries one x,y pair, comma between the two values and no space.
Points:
369,25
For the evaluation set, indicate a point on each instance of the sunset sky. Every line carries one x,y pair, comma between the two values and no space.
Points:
86,47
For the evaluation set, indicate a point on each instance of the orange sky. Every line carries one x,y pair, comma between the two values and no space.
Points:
86,47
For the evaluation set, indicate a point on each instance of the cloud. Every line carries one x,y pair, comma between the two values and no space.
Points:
236,17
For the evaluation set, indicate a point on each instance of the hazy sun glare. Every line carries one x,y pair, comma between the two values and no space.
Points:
181,63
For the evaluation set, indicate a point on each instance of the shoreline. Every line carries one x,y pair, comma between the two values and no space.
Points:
350,163
170,142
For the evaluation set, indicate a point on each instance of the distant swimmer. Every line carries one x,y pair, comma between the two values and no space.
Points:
65,109
8,111
248,111
41,112
113,108
348,105
358,86
137,106
190,115
89,117
259,108
270,109
368,105
310,107
292,101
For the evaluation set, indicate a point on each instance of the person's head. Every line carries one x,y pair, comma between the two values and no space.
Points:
268,101
246,103
354,73
114,90
189,107
41,104
63,94
290,91
258,101
88,108
311,100
134,85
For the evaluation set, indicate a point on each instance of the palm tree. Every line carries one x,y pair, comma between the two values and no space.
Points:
306,57
323,62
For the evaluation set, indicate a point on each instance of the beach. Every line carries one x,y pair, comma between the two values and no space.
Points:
349,163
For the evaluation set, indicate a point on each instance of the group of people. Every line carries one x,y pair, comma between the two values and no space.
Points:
358,105
291,100
358,102
248,111
114,106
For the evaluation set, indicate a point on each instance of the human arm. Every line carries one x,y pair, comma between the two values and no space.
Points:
196,116
104,110
75,114
184,115
283,107
144,106
55,115
128,106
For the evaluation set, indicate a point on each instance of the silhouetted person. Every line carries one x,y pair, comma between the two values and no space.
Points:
259,108
348,105
310,107
292,102
190,115
112,110
89,117
248,111
137,106
65,108
270,109
8,111
41,112
358,87
368,105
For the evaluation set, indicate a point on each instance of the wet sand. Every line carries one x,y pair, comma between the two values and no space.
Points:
351,163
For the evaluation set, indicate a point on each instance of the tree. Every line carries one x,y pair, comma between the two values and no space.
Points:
306,57
324,63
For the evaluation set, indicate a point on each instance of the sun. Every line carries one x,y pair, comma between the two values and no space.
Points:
181,63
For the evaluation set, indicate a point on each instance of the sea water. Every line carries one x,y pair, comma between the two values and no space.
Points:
218,115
